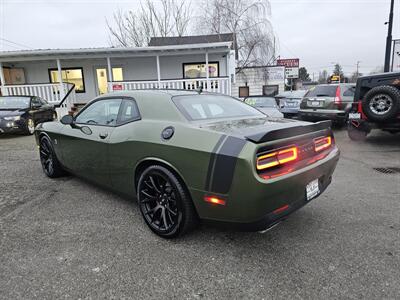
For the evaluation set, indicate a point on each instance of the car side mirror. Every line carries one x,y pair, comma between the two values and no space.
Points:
67,120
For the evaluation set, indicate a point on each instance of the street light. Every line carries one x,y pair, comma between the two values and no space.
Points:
389,38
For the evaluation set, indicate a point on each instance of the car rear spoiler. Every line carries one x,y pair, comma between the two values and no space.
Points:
287,132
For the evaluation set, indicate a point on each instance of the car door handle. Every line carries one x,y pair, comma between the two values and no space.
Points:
103,135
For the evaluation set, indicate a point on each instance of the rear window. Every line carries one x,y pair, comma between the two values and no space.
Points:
322,91
204,107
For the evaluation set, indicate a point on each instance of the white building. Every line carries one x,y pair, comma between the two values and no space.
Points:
87,73
259,81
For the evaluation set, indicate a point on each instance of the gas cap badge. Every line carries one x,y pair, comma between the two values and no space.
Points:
168,132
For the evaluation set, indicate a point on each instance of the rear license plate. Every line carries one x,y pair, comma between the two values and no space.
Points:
312,189
354,116
315,103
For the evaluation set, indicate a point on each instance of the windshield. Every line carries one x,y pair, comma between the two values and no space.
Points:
203,107
322,91
261,101
14,102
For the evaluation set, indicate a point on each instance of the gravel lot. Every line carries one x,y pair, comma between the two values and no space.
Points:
66,238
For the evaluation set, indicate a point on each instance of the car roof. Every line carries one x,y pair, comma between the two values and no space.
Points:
170,92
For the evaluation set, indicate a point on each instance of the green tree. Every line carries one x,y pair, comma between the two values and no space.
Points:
303,74
338,70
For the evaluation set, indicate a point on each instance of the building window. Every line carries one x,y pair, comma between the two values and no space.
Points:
270,90
70,75
243,91
198,70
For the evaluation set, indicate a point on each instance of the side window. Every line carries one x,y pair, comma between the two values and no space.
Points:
102,112
349,92
129,112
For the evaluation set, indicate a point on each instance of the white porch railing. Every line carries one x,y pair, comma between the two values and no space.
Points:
216,85
53,93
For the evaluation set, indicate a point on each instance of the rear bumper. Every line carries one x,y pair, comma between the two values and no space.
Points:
252,202
323,114
291,110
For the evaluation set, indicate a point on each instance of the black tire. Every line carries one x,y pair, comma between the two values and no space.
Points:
356,134
50,164
287,116
381,103
29,126
165,203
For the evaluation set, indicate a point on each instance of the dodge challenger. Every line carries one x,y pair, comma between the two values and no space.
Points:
188,156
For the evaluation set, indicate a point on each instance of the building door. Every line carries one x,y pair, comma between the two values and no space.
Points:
102,78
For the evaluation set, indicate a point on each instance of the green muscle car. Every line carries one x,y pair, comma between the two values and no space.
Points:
189,156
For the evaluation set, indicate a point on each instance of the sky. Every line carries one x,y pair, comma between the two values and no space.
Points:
319,32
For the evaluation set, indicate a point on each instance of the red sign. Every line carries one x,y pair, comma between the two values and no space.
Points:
117,87
289,63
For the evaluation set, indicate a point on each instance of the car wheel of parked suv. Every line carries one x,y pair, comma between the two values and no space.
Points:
381,103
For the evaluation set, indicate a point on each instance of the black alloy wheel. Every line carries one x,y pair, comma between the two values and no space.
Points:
164,203
48,159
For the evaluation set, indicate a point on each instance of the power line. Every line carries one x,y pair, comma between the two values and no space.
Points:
15,43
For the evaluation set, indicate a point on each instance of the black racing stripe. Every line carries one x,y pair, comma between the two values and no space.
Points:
225,164
212,161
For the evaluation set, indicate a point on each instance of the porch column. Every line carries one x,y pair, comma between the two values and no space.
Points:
208,88
158,71
228,88
110,74
62,93
3,81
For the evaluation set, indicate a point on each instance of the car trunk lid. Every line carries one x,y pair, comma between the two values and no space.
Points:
260,130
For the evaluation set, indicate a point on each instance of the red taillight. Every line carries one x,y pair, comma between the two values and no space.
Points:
322,143
214,200
338,97
276,158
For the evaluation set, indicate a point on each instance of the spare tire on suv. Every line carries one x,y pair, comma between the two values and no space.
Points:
381,103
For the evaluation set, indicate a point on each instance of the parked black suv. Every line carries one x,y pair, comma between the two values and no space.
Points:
376,105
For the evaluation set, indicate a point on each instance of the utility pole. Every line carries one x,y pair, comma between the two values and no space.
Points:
389,39
358,66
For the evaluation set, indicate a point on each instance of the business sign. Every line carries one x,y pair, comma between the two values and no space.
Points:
288,63
396,56
292,73
117,87
335,79
274,74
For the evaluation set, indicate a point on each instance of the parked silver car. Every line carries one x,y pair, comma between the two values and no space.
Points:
328,102
266,105
289,102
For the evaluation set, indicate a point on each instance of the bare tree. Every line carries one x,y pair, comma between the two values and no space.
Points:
135,28
323,76
248,20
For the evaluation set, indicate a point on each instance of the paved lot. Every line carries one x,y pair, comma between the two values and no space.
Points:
68,239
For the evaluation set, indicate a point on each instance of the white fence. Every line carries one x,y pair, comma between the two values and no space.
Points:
51,92
216,85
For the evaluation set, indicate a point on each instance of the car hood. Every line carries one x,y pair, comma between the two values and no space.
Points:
11,112
260,130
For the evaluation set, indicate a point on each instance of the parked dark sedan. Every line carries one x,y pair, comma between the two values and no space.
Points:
23,113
